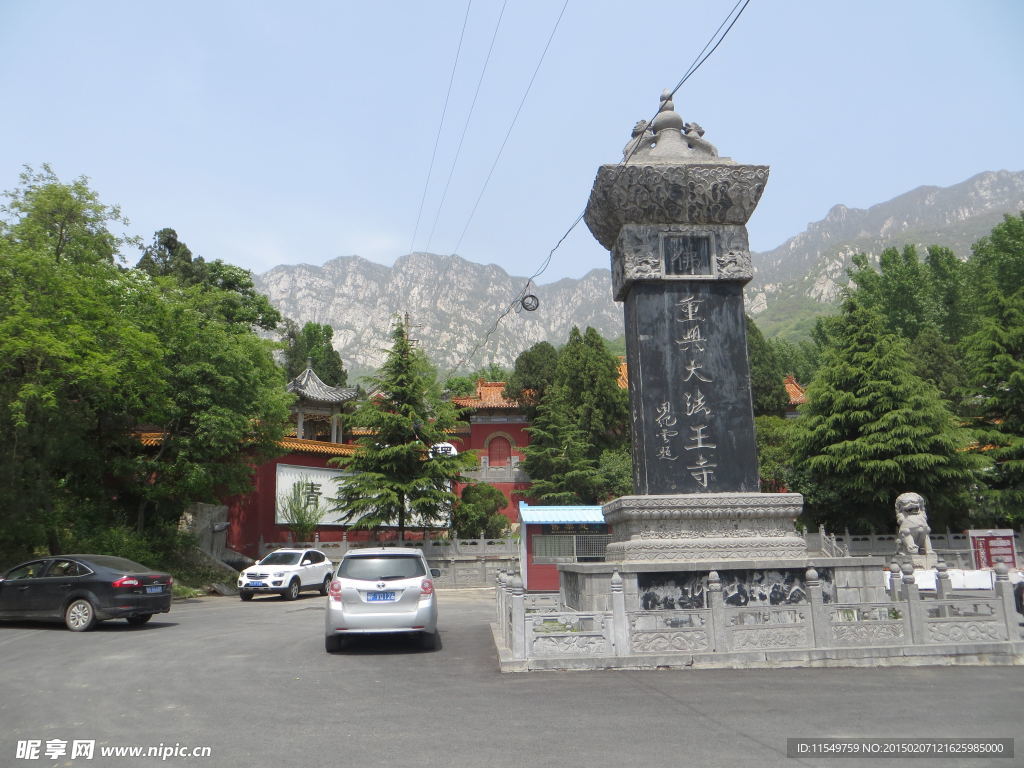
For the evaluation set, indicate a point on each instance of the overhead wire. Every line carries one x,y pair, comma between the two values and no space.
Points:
465,126
698,61
440,127
511,126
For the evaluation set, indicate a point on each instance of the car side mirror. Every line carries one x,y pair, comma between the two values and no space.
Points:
435,572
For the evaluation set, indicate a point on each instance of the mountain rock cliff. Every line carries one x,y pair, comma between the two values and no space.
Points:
452,303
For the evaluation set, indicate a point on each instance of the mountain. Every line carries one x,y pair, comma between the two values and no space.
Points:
811,267
452,305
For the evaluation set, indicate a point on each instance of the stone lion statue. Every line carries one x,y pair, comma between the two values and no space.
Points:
912,519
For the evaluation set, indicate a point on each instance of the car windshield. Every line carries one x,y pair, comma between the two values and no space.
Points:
281,558
381,567
118,564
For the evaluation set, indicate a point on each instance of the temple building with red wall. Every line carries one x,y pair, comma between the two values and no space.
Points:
497,433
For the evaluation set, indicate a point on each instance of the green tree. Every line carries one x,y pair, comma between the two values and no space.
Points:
558,458
232,288
66,222
938,361
947,288
997,261
167,256
221,405
396,477
75,375
476,514
532,374
588,380
90,354
797,359
465,386
995,358
872,430
766,375
774,452
313,344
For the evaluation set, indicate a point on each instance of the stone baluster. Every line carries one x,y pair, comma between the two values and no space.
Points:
943,587
518,617
620,627
821,624
1004,591
499,595
895,577
719,630
911,596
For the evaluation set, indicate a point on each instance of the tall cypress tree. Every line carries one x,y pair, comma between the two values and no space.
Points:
558,457
397,477
995,357
873,429
588,378
766,375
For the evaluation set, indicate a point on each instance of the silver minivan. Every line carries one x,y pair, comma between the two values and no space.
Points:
382,590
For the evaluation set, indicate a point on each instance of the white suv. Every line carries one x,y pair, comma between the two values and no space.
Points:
382,590
286,572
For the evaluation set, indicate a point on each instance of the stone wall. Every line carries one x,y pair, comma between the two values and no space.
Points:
463,563
907,629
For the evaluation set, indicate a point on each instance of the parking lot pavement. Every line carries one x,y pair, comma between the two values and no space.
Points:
252,682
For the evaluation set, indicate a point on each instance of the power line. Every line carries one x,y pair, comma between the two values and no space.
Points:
701,57
519,297
715,41
511,126
440,126
465,126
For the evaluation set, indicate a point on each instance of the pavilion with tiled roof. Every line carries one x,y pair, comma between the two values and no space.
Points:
318,407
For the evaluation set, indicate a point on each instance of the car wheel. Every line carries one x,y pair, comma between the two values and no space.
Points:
80,616
138,621
292,593
245,596
326,586
430,641
333,643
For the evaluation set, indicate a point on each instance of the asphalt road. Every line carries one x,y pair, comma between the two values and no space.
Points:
252,682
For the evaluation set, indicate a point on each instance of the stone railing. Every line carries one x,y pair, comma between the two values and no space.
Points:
431,547
725,635
955,546
464,563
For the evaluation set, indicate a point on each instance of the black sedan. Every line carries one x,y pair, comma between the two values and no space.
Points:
82,590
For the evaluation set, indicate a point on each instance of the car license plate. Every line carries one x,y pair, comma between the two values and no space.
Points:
379,597
154,590
255,584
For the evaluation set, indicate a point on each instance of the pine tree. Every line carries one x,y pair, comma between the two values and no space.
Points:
398,476
558,457
995,357
766,375
873,429
588,379
313,343
532,375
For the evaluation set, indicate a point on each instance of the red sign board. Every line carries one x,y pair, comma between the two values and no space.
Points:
990,547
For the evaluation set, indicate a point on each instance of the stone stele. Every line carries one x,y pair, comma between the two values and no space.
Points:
673,214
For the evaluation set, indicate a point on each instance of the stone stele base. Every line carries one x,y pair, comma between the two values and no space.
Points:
704,526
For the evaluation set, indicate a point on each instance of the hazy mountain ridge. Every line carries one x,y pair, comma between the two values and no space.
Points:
452,303
813,264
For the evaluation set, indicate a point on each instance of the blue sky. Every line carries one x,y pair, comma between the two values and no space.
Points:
271,133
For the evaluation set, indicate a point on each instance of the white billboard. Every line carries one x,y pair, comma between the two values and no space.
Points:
318,487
